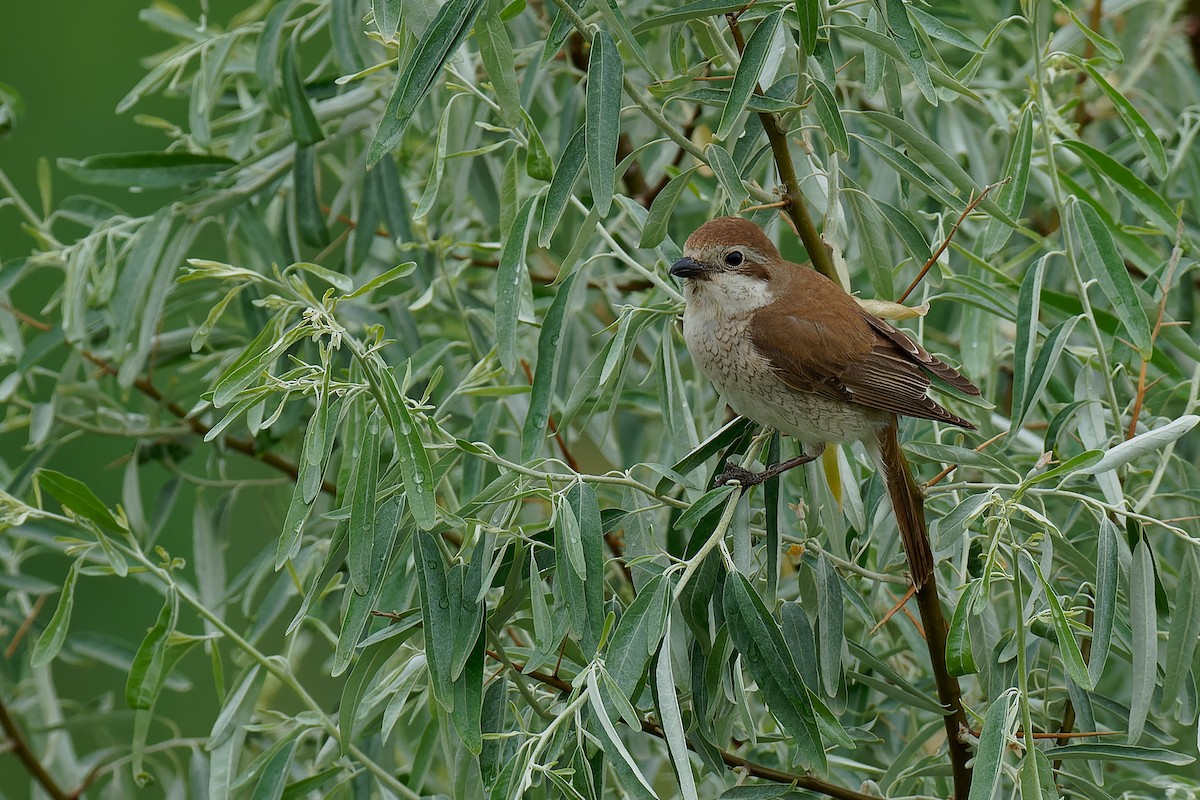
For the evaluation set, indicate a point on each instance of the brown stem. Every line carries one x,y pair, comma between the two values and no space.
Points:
1168,277
777,135
20,748
974,201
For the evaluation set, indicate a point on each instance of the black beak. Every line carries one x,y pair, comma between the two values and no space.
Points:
687,268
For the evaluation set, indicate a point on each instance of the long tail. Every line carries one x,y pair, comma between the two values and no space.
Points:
909,505
907,502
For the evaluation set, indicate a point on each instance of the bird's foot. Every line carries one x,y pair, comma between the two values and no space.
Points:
747,478
743,476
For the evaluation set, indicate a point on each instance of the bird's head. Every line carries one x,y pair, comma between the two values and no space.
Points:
729,261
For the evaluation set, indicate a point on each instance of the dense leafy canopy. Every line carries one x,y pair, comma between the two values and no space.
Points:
405,298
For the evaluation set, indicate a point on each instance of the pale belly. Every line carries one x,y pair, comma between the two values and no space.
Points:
749,384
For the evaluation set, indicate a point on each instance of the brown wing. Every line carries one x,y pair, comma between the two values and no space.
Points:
923,358
876,365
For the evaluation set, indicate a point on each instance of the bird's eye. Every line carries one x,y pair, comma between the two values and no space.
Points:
734,258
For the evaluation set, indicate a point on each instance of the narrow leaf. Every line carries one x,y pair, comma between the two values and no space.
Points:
545,379
1098,252
754,57
605,75
51,641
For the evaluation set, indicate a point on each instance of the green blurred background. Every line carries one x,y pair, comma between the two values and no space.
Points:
72,63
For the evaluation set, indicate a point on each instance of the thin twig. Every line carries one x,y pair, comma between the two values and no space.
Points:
936,479
1176,254
974,201
25,625
899,604
23,752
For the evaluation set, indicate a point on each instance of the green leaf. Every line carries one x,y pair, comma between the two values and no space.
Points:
910,169
728,434
362,491
77,497
537,160
936,157
758,103
305,129
754,57
545,379
1149,202
959,658
237,708
444,36
387,15
1144,443
414,461
1025,350
993,740
309,217
338,280
1043,368
663,208
808,12
468,696
51,641
152,170
830,117
940,30
1071,655
901,30
1107,553
831,636
1143,641
704,504
672,720
383,279
727,173
273,779
146,673
885,44
511,276
1107,48
566,175
758,638
1147,139
698,9
438,166
384,532
623,764
580,576
1011,196
638,634
436,615
1184,633
614,17
1119,752
495,50
605,75
1098,253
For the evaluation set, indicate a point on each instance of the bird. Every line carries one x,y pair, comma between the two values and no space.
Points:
791,350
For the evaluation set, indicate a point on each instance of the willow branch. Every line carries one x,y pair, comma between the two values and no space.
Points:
21,749
777,135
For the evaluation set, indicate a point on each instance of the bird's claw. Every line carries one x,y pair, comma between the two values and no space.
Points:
735,473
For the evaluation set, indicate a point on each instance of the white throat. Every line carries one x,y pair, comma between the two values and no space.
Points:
727,294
